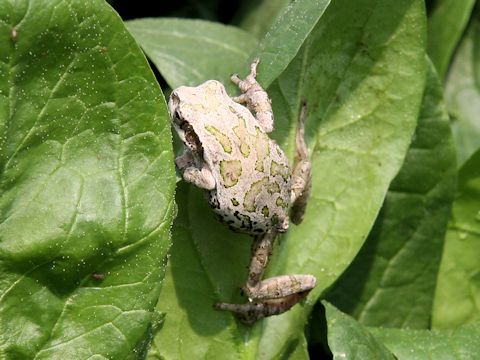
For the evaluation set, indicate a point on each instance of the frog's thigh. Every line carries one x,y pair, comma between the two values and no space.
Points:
202,178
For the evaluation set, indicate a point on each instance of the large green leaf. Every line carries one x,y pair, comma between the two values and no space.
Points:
462,94
363,99
285,37
86,183
363,86
406,344
457,298
348,339
446,24
188,52
256,16
201,270
392,282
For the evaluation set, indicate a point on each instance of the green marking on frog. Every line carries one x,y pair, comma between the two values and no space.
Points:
262,148
273,188
281,202
221,138
274,220
279,169
243,135
265,211
235,202
230,171
252,193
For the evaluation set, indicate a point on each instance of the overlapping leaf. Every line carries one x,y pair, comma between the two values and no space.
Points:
446,24
391,283
363,100
188,52
462,93
348,339
256,17
457,298
283,40
409,344
86,183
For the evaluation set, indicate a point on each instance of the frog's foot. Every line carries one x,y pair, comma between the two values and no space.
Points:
201,178
251,312
280,287
250,80
271,296
255,97
301,175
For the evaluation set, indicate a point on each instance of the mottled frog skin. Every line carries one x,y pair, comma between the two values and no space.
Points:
251,172
247,179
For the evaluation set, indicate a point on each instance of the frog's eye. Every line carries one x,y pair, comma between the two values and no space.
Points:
176,118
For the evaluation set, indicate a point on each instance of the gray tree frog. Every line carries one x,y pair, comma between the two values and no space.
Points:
247,179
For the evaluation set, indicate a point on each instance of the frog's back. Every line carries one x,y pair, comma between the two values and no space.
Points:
250,169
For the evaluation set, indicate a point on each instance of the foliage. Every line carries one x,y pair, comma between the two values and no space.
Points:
87,180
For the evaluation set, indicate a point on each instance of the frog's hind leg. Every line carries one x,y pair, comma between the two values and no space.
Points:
301,175
251,312
255,97
272,296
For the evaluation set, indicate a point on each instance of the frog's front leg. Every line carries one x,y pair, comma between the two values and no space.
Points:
200,176
255,97
271,296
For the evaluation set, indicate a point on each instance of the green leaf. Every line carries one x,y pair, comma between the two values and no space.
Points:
207,263
363,86
257,17
446,24
463,343
457,296
392,266
189,52
285,37
86,183
462,94
348,339
362,101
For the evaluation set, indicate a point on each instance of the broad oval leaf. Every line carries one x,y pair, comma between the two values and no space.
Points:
409,344
458,286
256,17
446,24
86,183
348,339
392,280
462,93
285,37
363,88
189,52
